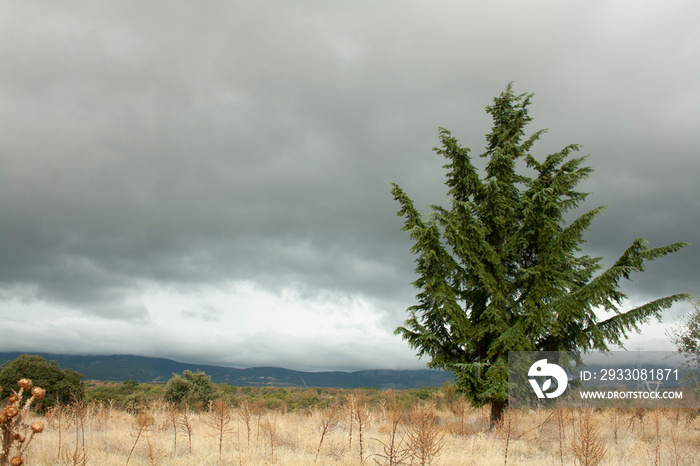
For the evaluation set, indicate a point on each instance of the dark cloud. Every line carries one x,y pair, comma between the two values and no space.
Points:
166,146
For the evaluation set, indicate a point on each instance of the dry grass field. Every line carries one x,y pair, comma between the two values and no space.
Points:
355,433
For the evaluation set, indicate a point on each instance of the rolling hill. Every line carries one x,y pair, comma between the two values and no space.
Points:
143,369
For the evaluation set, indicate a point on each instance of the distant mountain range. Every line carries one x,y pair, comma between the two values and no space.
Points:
119,368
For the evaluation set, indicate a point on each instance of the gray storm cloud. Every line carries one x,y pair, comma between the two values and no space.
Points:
173,146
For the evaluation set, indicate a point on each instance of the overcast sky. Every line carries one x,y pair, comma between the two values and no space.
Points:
209,181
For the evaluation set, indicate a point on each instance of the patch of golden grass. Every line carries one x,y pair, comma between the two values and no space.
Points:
461,437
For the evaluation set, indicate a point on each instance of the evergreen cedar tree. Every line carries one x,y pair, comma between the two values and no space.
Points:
500,270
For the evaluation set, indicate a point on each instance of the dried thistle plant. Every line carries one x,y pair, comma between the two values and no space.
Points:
77,457
328,421
152,452
424,436
588,447
269,429
560,416
394,451
141,427
615,414
57,418
461,408
245,415
17,435
185,424
219,417
172,413
350,408
656,418
363,417
638,415
506,428
77,412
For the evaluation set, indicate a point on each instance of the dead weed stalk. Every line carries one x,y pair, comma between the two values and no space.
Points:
425,439
588,448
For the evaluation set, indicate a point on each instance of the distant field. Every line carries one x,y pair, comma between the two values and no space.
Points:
351,429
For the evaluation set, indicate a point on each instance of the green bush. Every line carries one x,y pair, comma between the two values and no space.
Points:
191,388
61,385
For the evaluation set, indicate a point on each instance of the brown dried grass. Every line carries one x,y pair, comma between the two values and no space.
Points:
391,435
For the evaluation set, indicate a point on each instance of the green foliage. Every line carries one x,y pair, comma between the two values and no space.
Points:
288,398
500,270
191,388
61,385
686,337
129,394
